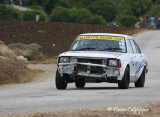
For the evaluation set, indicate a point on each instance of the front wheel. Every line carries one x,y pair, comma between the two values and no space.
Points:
60,81
124,83
141,81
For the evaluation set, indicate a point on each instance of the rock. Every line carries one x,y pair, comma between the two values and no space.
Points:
30,51
5,51
3,58
21,58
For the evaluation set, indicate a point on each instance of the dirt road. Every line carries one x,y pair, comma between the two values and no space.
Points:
42,96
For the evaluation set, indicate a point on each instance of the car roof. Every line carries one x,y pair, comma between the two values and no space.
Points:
107,34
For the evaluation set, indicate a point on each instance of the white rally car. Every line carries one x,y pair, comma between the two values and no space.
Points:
102,57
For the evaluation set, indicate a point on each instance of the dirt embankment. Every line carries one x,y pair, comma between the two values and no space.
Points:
47,34
137,111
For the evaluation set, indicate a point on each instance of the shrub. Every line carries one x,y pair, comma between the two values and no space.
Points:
30,15
59,14
84,16
127,20
96,20
37,7
80,15
9,13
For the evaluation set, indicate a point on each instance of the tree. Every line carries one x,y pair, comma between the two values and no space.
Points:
49,5
154,11
137,7
105,8
85,3
63,3
2,1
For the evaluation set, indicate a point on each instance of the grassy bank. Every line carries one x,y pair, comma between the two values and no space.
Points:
14,71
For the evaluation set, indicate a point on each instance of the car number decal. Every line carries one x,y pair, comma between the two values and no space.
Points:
102,38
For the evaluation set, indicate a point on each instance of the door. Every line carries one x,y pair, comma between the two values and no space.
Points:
132,59
137,59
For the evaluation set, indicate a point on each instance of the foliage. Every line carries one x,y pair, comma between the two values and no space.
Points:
105,8
95,19
79,15
30,15
36,7
35,2
85,3
154,11
9,13
49,5
63,3
39,8
1,1
127,20
5,1
137,7
61,14
29,2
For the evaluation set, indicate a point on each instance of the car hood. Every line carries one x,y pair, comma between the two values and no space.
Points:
90,54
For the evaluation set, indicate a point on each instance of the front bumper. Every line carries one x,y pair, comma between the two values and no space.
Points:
88,70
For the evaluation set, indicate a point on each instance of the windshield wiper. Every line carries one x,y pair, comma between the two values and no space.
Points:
111,49
88,48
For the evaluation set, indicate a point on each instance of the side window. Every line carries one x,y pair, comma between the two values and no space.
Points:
135,47
138,49
129,47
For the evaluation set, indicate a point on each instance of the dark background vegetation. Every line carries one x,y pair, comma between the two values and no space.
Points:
106,12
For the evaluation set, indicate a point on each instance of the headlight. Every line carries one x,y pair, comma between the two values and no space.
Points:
64,60
114,63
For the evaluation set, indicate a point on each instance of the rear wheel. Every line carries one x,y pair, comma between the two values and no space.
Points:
80,84
141,81
61,83
124,83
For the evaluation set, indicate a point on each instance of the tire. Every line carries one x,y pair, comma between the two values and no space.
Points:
141,81
124,83
60,81
80,84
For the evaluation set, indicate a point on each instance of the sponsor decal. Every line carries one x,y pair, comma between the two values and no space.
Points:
140,66
102,38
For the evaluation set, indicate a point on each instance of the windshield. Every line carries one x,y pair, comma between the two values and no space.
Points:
99,43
